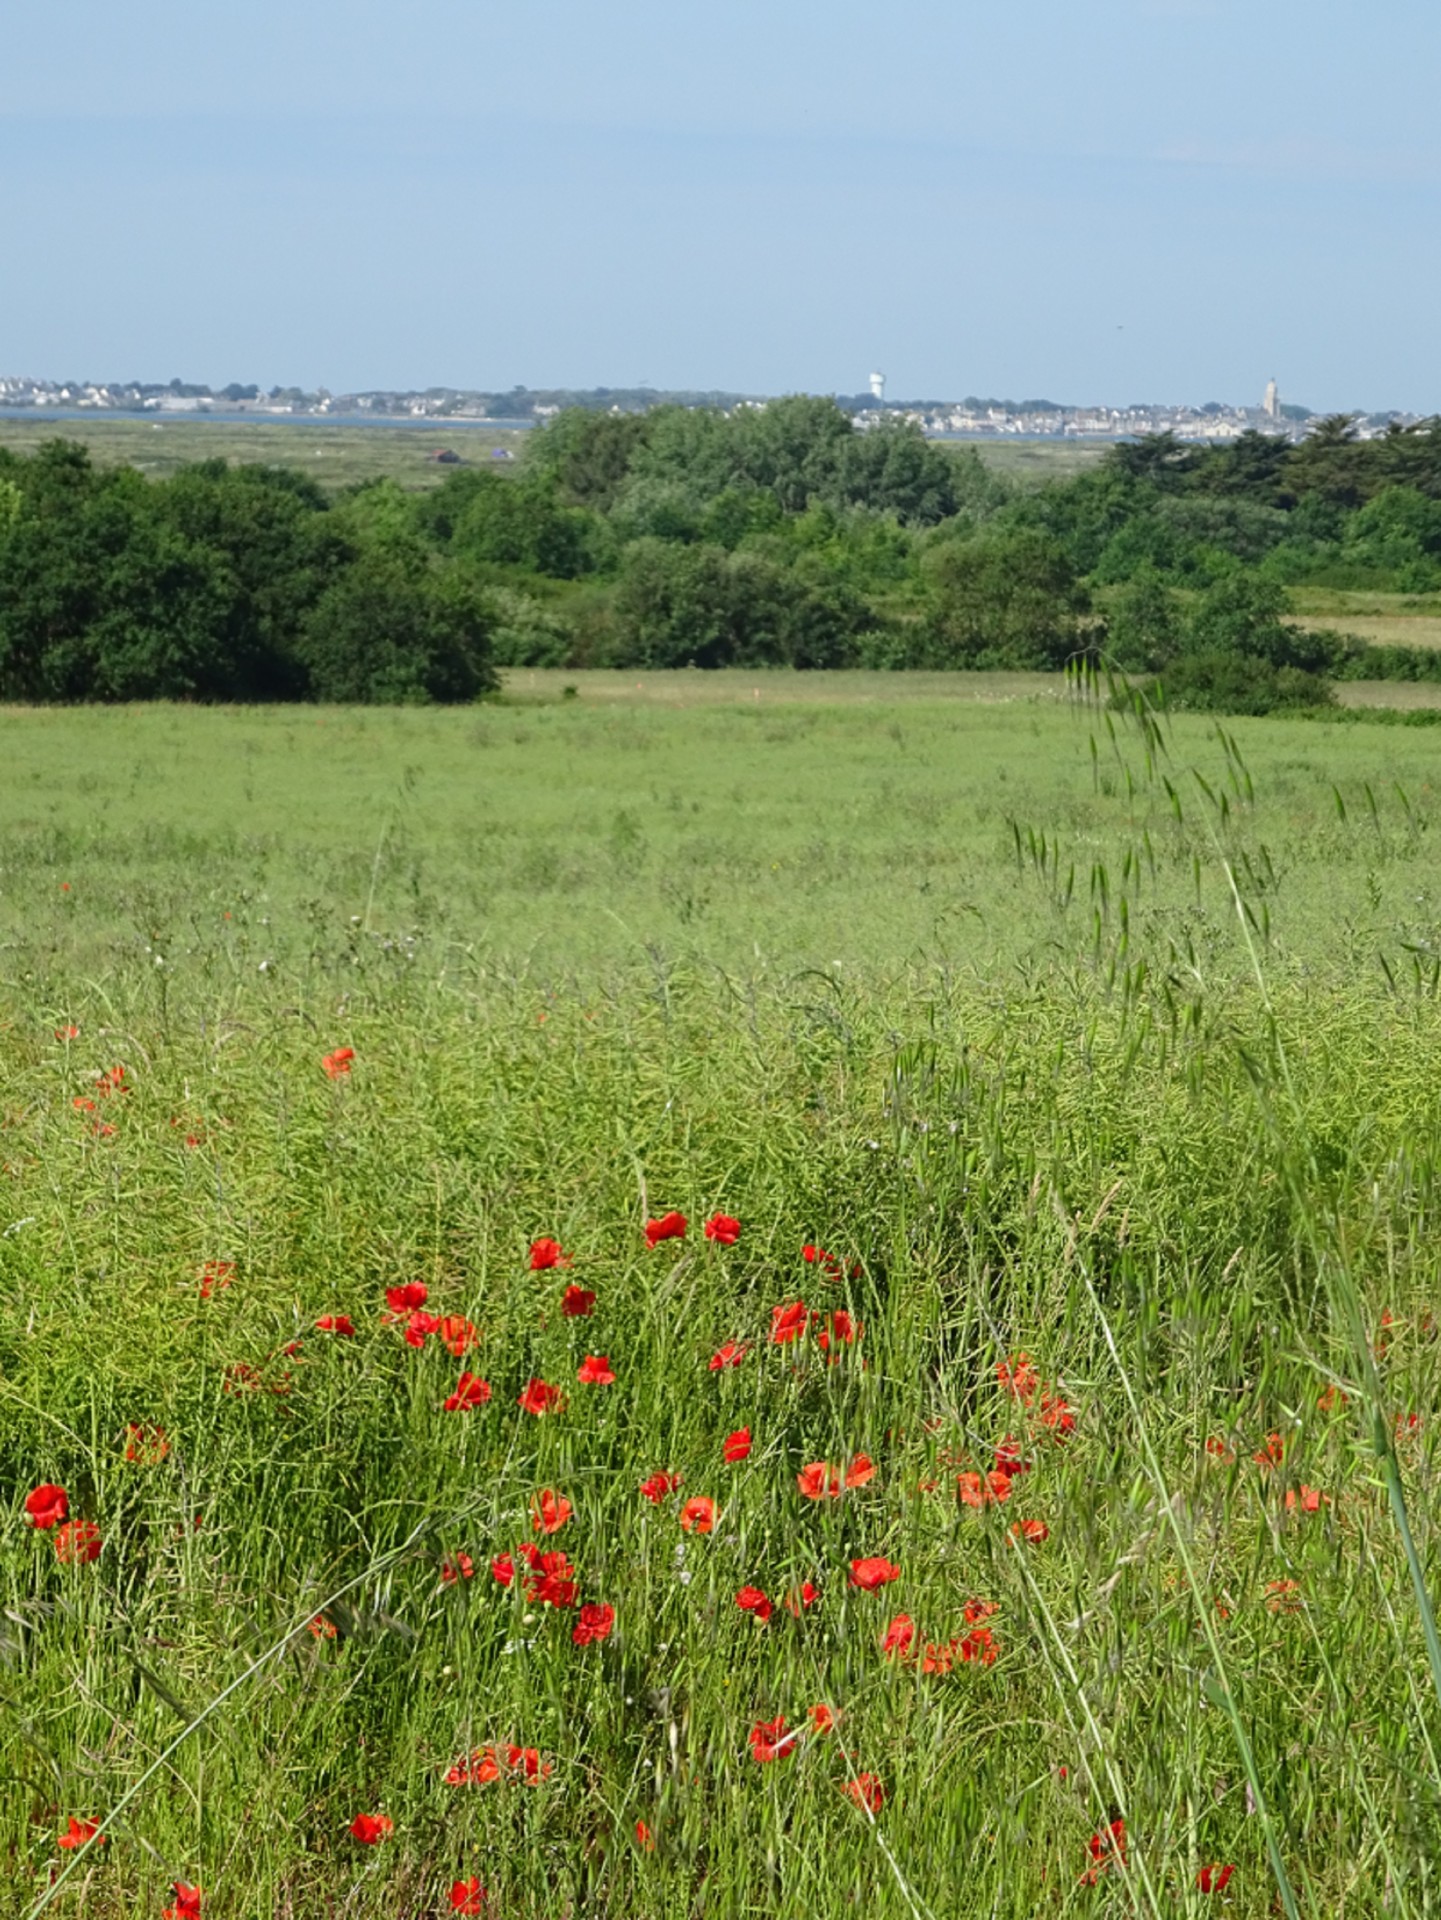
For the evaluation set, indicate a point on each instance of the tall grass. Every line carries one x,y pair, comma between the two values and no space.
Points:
1169,1137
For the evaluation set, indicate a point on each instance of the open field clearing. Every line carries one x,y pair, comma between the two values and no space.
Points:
641,1305
336,456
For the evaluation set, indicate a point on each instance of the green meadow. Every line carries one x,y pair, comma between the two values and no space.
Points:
1022,1500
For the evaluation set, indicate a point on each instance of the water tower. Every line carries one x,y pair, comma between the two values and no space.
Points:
878,387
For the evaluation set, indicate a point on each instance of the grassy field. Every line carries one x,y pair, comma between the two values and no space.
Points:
1022,1498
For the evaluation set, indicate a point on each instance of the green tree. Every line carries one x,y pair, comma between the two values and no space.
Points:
394,628
1005,598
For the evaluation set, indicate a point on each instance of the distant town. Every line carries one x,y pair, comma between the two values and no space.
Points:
971,418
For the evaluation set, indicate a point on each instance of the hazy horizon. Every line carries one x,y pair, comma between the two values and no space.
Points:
1168,198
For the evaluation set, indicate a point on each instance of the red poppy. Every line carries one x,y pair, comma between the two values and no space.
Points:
1218,1450
978,1491
873,1573
503,1568
1328,1400
801,1598
827,1262
698,1515
867,1792
547,1253
1018,1377
419,1326
407,1299
1107,1848
594,1371
538,1398
981,1646
462,1567
730,1355
477,1769
549,1511
822,1719
340,1323
321,1627
1214,1879
467,1896
1031,1531
752,1600
789,1322
644,1838
723,1228
78,1542
47,1506
470,1392
187,1902
1057,1416
1309,1499
670,1226
79,1831
1008,1458
1272,1453
457,1333
658,1486
737,1445
770,1740
898,1636
839,1330
595,1623
1283,1596
526,1761
67,1033
577,1303
552,1582
338,1064
215,1276
145,1446
369,1828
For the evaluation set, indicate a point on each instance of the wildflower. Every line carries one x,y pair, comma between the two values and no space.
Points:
1272,1453
658,1486
788,1322
873,1573
670,1226
187,1902
46,1506
801,1598
752,1600
723,1228
827,1262
770,1740
337,1323
1218,1450
977,1490
81,1831
467,1896
644,1838
552,1582
1057,1416
577,1303
595,1371
839,1330
145,1446
67,1033
368,1828
503,1569
419,1326
1328,1401
898,1636
78,1543
538,1398
867,1792
737,1445
462,1567
1106,1849
821,1481
339,1063
321,1627
1033,1532
980,1646
595,1623
1214,1879
457,1334
822,1719
549,1511
215,1276
1018,1377
470,1392
476,1769
975,1611
408,1298
1283,1596
1309,1499
526,1761
698,1515
729,1355
546,1253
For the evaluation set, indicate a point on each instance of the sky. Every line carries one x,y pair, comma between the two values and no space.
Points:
1083,200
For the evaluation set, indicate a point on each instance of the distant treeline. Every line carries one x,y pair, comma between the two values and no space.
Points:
776,536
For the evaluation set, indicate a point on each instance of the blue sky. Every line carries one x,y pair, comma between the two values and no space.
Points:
1103,200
